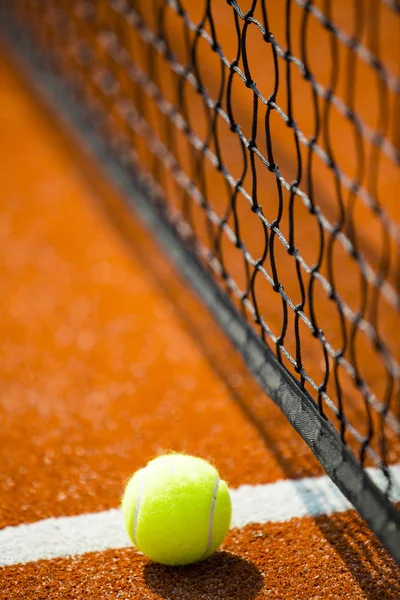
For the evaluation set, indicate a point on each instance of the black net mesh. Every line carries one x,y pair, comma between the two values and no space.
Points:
269,133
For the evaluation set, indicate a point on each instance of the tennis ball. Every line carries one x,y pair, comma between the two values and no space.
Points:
176,509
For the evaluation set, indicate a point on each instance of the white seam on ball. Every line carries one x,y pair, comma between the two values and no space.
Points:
211,518
137,508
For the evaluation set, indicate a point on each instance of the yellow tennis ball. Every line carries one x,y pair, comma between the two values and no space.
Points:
176,509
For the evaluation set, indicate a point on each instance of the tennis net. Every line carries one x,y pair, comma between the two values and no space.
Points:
264,138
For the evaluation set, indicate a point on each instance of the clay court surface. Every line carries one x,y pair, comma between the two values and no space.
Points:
107,360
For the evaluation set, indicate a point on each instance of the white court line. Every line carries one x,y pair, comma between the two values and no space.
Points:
279,502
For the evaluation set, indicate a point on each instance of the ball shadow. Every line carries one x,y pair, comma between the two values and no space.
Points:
223,575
